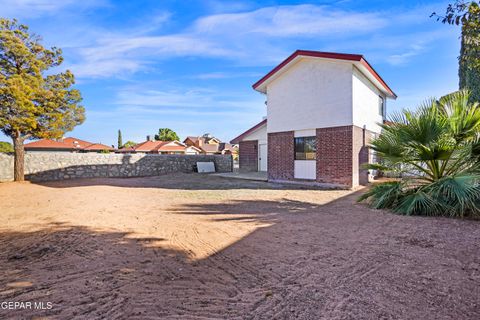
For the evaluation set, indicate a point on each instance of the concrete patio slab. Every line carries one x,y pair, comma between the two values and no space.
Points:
255,176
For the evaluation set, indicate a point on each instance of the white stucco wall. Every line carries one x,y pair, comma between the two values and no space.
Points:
260,134
191,150
366,103
313,93
306,133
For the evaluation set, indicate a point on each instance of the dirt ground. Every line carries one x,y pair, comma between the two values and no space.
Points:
188,246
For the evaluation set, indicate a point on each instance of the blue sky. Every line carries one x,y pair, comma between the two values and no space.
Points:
189,65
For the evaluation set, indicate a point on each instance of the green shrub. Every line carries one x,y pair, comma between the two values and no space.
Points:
436,152
6,147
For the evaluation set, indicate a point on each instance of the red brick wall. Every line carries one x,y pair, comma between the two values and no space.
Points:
248,158
361,139
341,152
281,155
334,155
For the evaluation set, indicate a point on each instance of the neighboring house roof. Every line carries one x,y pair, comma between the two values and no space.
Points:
203,138
193,147
208,144
252,129
193,139
156,146
76,143
48,144
228,146
215,140
169,147
357,59
210,148
98,147
126,150
69,143
148,146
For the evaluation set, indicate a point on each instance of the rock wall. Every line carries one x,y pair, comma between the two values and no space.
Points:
47,166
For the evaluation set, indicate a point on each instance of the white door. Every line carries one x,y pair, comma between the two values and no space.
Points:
262,157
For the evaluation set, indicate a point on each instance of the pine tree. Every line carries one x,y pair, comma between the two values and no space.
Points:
33,105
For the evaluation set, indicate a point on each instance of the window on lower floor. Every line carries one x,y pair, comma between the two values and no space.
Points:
305,148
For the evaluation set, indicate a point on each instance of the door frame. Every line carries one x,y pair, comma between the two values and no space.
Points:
259,155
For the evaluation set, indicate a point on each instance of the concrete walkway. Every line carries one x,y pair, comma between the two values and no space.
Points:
256,176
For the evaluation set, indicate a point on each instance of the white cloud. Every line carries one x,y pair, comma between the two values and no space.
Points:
101,68
258,37
115,56
36,8
403,58
225,75
156,100
400,50
188,111
235,36
289,21
177,45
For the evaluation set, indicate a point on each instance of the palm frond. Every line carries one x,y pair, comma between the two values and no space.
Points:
459,194
418,202
436,151
383,195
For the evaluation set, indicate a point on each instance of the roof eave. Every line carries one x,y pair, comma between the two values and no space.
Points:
252,129
261,85
378,81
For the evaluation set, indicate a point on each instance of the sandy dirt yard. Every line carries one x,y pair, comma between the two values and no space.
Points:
189,246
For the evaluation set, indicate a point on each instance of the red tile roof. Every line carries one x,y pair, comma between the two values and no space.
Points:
148,146
48,144
77,143
69,143
166,148
328,55
156,146
98,147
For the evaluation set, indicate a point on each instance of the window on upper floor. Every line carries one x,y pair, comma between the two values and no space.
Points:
381,106
305,148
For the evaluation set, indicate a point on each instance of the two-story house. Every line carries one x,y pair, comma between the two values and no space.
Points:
322,110
208,144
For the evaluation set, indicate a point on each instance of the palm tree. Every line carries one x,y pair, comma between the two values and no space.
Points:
436,151
166,134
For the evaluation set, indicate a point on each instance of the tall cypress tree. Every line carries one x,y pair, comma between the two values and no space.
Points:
467,14
469,60
119,141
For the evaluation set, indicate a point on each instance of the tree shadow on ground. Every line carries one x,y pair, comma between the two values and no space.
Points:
86,273
331,261
248,210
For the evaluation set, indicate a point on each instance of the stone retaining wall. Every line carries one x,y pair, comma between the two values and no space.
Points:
47,166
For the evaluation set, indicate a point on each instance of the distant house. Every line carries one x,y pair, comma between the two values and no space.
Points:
210,145
69,144
161,147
